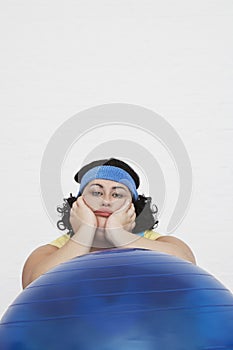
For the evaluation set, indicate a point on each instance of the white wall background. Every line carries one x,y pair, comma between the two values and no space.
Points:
60,57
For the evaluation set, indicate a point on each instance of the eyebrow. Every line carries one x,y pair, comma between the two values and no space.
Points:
113,188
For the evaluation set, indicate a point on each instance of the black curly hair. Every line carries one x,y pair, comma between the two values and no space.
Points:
146,212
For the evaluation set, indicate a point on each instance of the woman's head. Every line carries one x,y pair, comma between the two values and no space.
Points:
106,185
109,169
105,197
101,193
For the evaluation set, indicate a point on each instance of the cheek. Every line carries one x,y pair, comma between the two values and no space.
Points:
119,203
116,205
91,201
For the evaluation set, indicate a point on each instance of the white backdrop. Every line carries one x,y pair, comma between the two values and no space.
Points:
61,57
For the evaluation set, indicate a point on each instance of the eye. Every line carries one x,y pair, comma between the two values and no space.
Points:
96,193
117,195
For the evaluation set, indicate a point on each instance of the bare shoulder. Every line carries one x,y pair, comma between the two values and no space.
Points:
41,251
173,240
34,258
179,243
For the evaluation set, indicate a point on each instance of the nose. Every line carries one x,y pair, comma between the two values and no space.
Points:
106,200
106,203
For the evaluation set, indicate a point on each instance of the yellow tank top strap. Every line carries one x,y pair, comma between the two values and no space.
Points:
60,241
152,235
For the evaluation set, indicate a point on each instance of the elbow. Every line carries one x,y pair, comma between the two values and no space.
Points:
26,281
185,254
28,278
191,258
175,246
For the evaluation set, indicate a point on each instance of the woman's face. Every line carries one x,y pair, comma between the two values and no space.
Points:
104,197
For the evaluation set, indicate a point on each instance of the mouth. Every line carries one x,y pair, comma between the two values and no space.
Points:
105,214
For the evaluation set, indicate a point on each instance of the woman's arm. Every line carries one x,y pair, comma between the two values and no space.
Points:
83,222
118,232
178,244
46,257
164,244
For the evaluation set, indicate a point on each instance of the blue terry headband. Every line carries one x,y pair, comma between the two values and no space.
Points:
109,172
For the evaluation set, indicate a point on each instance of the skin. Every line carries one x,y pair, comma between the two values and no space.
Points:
108,196
94,232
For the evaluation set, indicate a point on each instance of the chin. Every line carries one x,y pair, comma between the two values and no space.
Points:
101,221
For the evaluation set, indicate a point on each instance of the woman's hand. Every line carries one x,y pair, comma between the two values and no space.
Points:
123,218
119,226
81,215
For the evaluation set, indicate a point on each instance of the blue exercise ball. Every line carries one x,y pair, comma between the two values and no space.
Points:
121,299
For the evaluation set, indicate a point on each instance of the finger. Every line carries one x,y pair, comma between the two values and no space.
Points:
131,210
133,217
131,206
74,206
78,202
81,201
124,207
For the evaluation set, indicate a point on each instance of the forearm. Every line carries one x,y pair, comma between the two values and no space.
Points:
78,245
125,239
163,247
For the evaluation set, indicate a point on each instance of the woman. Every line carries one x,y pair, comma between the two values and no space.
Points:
107,213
